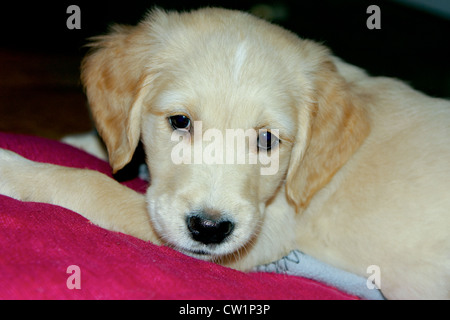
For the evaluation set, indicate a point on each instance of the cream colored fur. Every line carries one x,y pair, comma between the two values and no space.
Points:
364,172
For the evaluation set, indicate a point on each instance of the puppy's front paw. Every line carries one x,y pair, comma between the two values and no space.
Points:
8,155
11,173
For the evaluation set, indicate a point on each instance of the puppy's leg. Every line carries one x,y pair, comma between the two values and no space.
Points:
92,194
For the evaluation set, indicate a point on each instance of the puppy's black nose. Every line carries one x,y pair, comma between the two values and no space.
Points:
206,229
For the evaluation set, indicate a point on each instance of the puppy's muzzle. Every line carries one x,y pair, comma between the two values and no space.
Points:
207,229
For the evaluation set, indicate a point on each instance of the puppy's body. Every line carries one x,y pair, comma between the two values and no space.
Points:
363,174
396,211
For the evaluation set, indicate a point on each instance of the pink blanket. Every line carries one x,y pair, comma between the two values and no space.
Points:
48,252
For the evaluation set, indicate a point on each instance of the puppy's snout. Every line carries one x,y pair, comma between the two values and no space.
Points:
207,229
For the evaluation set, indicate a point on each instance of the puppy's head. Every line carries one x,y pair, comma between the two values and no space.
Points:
217,97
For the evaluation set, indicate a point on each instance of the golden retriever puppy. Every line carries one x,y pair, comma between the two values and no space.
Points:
351,169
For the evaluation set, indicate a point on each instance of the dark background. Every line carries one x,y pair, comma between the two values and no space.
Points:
40,92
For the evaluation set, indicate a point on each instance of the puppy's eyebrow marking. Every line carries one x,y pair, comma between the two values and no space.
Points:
239,58
170,98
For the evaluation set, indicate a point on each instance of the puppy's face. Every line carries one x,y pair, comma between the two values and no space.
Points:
231,111
218,136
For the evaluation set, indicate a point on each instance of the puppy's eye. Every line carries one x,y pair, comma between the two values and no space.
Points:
180,122
267,140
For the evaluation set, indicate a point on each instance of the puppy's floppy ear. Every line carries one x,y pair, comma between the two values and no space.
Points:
331,129
116,79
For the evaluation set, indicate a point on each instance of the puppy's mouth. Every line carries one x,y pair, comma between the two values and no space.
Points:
224,255
207,253
202,253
